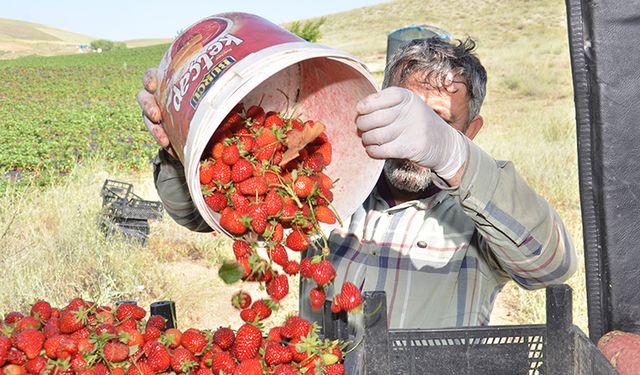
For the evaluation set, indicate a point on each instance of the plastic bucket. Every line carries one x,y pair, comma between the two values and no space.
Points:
230,58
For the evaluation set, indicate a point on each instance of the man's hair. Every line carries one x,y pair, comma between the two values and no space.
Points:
439,60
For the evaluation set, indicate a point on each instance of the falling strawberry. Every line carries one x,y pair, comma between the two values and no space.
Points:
317,297
323,272
241,300
278,287
351,298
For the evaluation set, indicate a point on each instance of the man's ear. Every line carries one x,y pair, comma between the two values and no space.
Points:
474,127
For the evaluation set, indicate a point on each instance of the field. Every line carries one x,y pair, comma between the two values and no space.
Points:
69,122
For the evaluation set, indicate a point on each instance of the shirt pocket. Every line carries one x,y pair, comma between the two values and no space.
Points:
435,248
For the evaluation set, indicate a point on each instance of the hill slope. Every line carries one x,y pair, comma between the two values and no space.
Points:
21,38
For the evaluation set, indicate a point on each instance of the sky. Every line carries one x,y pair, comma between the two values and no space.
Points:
131,19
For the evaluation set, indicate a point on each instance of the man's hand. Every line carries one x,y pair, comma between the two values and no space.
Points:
151,114
397,124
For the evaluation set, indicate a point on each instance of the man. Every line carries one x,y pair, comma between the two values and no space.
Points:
447,225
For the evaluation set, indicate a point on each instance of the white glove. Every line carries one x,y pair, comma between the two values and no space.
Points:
397,124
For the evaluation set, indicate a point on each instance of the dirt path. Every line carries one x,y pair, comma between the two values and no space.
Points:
208,305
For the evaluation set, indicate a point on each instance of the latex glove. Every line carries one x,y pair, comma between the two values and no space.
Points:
151,114
395,123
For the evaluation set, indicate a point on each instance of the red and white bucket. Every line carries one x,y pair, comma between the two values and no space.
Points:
230,58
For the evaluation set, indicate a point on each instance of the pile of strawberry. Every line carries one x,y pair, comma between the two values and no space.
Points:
87,339
264,174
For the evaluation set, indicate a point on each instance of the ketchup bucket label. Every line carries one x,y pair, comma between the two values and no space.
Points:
200,56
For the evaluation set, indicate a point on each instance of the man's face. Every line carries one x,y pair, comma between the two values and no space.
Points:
452,105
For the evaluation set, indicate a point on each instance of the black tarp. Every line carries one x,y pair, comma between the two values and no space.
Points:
604,41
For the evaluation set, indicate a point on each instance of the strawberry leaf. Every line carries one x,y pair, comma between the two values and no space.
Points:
231,272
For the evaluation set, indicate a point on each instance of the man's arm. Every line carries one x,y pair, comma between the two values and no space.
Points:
520,230
171,184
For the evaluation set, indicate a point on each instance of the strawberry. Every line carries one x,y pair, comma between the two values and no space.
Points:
216,201
151,334
272,178
13,369
306,268
266,138
72,320
30,341
230,154
274,202
36,365
351,298
278,287
297,125
325,151
295,327
231,221
158,356
325,215
182,360
297,241
87,371
239,201
52,344
51,328
267,153
303,186
206,171
249,367
28,322
325,196
173,336
106,329
276,354
279,255
241,170
262,308
258,215
224,337
41,310
289,210
245,140
274,231
253,186
222,362
127,310
335,369
241,300
194,340
115,351
273,119
292,267
13,317
323,272
315,162
256,114
16,357
221,173
297,356
156,321
317,297
216,150
274,334
82,333
249,315
78,362
286,369
248,339
140,368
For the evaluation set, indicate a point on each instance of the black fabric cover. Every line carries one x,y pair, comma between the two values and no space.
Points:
604,41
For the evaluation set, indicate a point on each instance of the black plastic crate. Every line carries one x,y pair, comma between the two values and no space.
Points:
135,209
130,229
557,347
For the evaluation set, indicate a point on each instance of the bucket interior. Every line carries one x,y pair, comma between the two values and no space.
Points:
325,89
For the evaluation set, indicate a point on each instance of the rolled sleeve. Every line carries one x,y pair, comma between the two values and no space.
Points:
171,184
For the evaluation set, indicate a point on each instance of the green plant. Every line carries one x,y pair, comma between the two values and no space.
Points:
308,30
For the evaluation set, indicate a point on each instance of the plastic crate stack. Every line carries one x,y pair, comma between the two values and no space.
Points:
125,213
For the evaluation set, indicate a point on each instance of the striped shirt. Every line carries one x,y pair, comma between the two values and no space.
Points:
443,259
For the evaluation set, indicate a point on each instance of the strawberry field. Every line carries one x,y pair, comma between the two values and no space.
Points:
57,111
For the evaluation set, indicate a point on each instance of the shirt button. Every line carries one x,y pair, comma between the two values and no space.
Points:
421,244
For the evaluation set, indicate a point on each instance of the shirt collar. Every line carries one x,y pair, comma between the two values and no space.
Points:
432,196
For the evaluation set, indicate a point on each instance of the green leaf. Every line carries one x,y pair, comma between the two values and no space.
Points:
231,272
